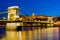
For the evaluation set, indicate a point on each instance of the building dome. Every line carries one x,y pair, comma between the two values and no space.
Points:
33,14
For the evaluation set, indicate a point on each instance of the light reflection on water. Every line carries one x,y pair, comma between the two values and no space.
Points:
56,33
51,33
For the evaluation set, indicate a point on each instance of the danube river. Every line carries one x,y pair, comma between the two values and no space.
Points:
50,33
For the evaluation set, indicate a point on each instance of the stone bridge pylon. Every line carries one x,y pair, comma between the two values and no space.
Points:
12,16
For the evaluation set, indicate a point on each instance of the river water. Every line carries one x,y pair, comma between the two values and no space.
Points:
50,33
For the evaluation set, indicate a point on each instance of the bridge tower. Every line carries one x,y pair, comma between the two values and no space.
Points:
13,12
50,20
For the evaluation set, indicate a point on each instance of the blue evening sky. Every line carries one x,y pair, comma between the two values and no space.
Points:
45,7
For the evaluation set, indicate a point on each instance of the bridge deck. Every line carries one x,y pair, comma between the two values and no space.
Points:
8,21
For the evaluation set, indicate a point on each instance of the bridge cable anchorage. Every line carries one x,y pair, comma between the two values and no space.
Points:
4,12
